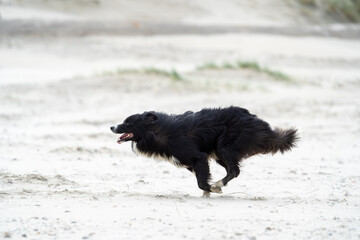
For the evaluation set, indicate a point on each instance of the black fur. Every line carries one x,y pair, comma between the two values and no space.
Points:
226,134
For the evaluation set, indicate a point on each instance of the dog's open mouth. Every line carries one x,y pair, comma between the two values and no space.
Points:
125,137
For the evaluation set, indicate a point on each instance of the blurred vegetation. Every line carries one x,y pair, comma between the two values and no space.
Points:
176,76
246,65
173,74
349,8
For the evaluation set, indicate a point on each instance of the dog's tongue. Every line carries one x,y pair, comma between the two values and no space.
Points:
120,141
123,137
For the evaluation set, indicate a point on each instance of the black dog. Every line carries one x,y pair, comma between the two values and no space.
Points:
188,140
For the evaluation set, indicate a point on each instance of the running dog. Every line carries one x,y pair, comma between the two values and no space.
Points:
189,140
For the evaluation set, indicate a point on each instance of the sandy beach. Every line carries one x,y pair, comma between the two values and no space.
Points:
63,176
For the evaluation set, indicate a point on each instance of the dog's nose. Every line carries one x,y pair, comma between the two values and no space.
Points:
112,128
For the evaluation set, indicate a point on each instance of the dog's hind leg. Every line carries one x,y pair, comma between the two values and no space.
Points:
219,184
232,173
229,160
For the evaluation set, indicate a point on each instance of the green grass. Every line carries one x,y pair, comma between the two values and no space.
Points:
227,65
209,65
176,76
276,74
348,8
246,65
256,67
173,74
252,65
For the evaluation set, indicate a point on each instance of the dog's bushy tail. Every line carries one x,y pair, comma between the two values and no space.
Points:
284,140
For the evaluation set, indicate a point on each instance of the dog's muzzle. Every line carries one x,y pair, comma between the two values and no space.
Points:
117,129
113,129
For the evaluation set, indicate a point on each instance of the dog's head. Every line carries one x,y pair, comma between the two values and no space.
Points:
135,127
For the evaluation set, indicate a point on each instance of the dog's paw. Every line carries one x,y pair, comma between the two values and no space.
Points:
216,187
219,184
206,194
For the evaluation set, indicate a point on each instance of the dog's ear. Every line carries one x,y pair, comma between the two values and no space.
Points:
150,117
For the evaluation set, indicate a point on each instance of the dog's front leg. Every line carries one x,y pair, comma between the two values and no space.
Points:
197,163
206,194
202,173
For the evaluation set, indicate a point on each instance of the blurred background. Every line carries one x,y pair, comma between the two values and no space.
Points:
70,69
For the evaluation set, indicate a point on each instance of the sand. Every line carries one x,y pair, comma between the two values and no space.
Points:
63,176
